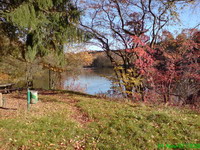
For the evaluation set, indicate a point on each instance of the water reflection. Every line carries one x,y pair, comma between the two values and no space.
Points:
91,81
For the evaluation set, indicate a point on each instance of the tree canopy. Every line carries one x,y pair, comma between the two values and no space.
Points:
41,26
33,33
131,30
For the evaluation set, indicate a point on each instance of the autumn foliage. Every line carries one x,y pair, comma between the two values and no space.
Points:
170,70
4,77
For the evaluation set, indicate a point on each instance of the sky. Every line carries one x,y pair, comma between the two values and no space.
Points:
189,18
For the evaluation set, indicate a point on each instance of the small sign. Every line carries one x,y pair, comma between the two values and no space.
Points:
32,97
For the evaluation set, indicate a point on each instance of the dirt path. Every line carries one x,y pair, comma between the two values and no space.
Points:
16,104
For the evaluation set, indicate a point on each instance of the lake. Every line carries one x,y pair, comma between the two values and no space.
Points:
87,80
91,81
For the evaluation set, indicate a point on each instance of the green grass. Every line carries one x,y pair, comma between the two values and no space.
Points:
48,131
114,125
136,126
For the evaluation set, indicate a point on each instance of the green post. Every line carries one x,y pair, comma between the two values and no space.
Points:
28,99
34,97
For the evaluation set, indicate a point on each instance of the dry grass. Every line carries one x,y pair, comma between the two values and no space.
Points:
49,101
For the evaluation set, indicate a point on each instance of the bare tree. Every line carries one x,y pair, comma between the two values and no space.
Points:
114,23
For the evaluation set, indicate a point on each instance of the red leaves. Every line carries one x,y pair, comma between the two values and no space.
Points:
137,40
180,59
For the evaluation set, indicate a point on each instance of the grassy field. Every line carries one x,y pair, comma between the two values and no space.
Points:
73,121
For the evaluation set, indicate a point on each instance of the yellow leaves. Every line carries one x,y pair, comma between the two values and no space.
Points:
4,77
129,78
118,68
52,68
136,81
79,59
87,58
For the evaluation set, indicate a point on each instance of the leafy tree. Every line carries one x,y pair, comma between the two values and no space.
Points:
101,61
43,25
38,29
171,69
183,54
118,25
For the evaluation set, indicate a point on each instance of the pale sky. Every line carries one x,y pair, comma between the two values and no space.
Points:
189,18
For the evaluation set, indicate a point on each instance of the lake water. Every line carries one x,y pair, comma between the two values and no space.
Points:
91,81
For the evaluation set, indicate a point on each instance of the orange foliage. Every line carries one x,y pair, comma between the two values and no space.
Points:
87,58
4,77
